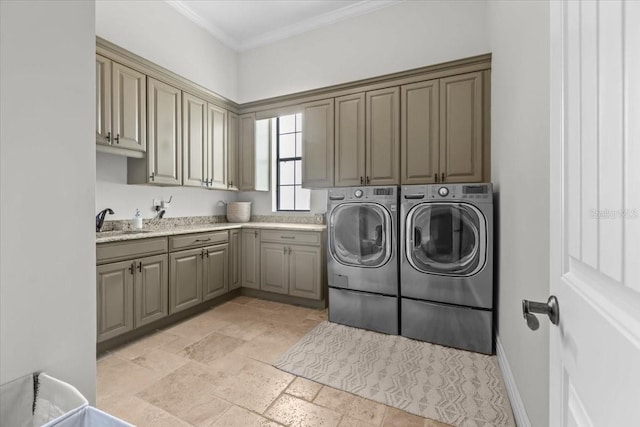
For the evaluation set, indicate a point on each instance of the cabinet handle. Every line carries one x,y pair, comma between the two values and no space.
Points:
442,176
152,176
109,137
361,180
207,253
256,233
284,250
435,177
132,267
202,254
140,266
202,240
117,138
230,183
368,180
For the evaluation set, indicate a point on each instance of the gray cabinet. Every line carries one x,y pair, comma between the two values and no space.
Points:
216,155
197,273
291,263
383,137
215,271
349,141
246,149
114,299
232,150
130,294
120,106
274,268
185,281
443,130
461,130
251,259
194,141
420,123
163,164
367,138
235,260
317,144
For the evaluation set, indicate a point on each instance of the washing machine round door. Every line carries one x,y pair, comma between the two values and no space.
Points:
360,234
446,238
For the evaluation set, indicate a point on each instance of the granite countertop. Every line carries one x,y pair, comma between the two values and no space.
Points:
121,235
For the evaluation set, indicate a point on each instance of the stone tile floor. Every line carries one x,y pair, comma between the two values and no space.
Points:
215,370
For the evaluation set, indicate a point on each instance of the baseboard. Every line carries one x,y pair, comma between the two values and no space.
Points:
517,405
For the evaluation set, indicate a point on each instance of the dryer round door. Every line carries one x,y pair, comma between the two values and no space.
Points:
360,234
446,238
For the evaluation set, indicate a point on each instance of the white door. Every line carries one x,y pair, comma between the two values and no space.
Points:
595,213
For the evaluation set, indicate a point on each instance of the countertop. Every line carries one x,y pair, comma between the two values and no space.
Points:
117,236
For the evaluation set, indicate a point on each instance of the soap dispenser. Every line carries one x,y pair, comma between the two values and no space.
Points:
137,220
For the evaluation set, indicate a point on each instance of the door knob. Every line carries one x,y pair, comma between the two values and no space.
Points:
550,308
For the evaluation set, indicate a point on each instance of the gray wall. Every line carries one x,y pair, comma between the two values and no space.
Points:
520,172
47,188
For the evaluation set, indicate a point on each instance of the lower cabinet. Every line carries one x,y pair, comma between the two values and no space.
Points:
291,269
130,294
235,260
251,259
197,275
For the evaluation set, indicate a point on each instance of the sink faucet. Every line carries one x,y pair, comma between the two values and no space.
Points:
100,218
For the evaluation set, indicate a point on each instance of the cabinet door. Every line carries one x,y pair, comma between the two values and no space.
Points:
215,269
461,128
350,146
383,137
251,259
217,147
232,150
234,259
305,274
185,279
246,150
129,104
151,289
194,140
103,100
420,136
317,144
164,155
274,268
114,299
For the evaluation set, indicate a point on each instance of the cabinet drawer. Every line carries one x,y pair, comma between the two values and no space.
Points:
294,237
116,251
195,240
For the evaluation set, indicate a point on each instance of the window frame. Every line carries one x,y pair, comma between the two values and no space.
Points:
278,160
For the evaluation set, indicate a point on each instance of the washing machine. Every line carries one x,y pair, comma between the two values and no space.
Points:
446,265
362,260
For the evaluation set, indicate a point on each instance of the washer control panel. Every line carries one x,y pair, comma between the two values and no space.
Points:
443,191
358,193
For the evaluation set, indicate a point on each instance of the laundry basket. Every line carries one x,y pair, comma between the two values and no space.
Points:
238,211
40,400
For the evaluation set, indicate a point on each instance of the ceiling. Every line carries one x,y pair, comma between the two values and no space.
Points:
245,24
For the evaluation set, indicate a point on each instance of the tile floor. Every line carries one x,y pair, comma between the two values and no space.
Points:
215,370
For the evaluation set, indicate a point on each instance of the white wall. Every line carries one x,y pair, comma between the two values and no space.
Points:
113,192
47,170
520,169
408,35
157,32
263,204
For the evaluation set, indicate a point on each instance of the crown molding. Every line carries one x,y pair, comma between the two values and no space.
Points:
326,19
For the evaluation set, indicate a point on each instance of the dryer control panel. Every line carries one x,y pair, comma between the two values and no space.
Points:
380,194
472,192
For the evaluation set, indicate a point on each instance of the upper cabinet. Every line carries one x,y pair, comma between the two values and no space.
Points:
349,141
420,142
368,138
232,151
246,148
194,141
120,106
461,132
317,144
443,130
216,147
163,165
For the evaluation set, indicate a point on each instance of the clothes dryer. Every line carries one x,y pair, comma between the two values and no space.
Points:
362,262
446,265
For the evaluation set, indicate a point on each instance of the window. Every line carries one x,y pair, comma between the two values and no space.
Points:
290,196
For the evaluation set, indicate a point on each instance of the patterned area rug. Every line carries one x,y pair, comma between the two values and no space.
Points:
448,385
